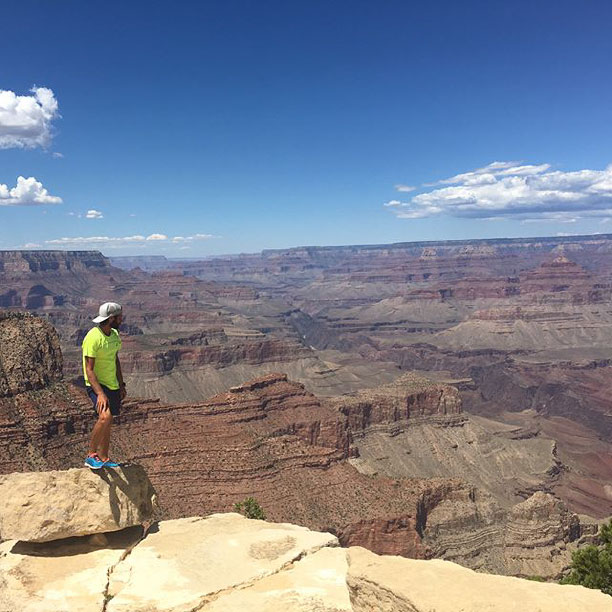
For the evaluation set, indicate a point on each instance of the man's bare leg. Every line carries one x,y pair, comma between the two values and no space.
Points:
105,441
101,431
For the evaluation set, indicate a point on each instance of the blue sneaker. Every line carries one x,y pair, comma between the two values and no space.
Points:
110,463
94,462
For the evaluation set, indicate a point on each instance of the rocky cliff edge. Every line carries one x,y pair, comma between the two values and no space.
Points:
225,562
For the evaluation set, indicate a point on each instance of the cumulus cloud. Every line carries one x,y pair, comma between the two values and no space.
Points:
94,214
119,241
25,121
27,192
514,191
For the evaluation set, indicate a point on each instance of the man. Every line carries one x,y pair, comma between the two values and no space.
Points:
104,380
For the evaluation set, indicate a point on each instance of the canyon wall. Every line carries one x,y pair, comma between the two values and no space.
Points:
271,439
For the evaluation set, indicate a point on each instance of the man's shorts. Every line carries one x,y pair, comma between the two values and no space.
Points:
114,399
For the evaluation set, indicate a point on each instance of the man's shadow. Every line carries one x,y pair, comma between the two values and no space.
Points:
119,479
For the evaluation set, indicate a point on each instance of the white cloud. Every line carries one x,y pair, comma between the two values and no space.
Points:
96,240
31,245
515,191
119,241
94,214
405,188
192,238
27,192
25,121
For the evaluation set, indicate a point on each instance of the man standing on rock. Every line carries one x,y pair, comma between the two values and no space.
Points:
104,380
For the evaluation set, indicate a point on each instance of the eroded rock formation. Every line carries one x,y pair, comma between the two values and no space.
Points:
271,439
30,357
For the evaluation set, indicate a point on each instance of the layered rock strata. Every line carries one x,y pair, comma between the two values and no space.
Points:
273,440
30,357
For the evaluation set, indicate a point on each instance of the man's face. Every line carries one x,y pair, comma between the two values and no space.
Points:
116,321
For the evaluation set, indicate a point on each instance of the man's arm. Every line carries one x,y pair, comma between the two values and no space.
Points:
102,403
122,390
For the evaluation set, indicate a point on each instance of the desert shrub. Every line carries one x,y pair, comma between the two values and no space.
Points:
592,565
250,508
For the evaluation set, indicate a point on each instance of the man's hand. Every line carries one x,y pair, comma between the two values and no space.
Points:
102,403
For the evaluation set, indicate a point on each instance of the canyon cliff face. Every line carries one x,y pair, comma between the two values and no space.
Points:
414,427
523,325
184,338
271,439
30,357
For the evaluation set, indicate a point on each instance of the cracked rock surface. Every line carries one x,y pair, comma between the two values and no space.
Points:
192,560
228,563
69,575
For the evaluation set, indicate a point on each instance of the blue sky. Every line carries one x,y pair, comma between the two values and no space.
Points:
225,127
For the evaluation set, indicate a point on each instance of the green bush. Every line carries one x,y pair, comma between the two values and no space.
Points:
592,565
250,508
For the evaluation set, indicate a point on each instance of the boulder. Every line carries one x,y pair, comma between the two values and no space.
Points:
393,584
45,506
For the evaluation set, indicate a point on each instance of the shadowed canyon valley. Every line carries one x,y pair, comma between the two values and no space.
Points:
446,399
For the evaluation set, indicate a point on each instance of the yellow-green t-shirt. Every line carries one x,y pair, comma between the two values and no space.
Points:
104,349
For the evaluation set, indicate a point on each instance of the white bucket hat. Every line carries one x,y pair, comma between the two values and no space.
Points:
107,310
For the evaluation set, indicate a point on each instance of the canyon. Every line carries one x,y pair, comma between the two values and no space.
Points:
418,399
298,455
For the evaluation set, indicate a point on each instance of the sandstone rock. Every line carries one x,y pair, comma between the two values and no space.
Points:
189,560
316,583
395,584
66,576
226,563
45,506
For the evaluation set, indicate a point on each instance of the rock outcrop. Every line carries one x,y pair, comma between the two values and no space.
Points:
45,506
31,357
407,401
227,563
393,584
